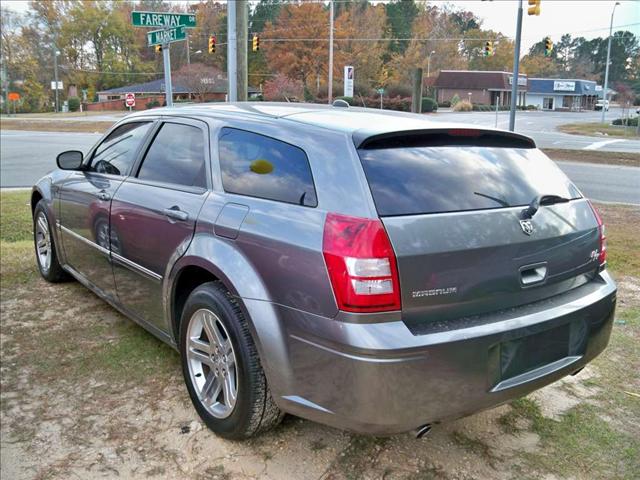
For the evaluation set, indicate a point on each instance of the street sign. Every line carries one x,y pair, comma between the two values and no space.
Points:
130,99
163,19
13,96
162,37
53,86
348,81
380,91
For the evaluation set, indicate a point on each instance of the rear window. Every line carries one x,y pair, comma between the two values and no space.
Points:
417,180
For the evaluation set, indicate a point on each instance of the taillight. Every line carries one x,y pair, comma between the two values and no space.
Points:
602,250
361,263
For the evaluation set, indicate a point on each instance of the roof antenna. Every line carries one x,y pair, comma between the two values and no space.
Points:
340,103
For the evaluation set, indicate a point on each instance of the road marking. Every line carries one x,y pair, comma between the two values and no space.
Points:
597,145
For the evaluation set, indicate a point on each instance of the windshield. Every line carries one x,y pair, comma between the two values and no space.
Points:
418,180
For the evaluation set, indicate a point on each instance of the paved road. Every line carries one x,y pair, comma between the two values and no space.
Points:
26,156
541,126
607,183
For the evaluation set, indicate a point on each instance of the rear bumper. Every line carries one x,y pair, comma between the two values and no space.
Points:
379,378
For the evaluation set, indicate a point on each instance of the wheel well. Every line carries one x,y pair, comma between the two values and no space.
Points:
35,198
188,280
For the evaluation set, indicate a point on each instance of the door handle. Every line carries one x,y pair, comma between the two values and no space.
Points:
177,214
533,274
103,195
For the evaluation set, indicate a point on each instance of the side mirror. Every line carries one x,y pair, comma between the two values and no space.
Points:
70,160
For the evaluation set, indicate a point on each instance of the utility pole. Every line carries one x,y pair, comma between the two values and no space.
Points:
416,97
606,70
330,85
232,64
242,26
516,68
55,75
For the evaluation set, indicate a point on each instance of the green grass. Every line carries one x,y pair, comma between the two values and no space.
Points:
80,345
580,444
598,129
15,216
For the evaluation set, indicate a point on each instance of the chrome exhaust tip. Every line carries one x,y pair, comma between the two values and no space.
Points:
422,431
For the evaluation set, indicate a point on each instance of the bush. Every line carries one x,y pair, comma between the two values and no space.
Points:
454,100
429,104
153,104
398,90
349,100
74,104
463,106
629,122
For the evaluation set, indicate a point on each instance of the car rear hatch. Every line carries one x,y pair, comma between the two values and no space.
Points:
454,204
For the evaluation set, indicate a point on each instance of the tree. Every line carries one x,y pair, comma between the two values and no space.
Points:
282,87
431,22
360,21
306,56
265,11
400,17
200,79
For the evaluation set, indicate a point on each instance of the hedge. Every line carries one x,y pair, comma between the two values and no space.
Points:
629,122
74,104
429,105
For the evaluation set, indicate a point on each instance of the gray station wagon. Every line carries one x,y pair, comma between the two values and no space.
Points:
370,270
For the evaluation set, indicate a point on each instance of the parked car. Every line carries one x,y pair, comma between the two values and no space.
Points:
370,270
600,104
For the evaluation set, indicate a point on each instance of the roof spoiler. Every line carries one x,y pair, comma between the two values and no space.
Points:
442,137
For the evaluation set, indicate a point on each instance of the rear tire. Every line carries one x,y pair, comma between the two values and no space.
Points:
212,367
46,255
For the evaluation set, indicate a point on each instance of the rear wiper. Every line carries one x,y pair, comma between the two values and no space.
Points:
540,201
499,201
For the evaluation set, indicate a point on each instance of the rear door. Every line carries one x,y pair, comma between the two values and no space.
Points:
453,207
85,200
153,214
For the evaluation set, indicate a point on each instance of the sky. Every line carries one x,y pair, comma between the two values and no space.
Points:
587,18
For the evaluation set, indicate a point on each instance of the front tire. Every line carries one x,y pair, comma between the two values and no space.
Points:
221,366
46,256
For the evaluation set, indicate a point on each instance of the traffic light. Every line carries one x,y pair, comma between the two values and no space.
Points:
534,9
548,47
255,42
212,44
158,48
488,49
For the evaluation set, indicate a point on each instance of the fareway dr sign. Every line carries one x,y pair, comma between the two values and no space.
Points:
163,20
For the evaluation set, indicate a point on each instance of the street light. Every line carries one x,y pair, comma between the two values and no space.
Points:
606,70
429,63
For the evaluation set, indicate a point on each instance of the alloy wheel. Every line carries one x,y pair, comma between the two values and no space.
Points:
43,242
212,363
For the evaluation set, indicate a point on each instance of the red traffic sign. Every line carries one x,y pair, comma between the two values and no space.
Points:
130,99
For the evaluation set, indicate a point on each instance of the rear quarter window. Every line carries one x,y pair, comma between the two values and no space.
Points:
419,180
263,167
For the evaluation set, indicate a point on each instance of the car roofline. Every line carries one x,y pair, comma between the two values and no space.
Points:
247,111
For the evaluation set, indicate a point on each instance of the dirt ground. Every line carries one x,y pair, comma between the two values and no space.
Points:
87,394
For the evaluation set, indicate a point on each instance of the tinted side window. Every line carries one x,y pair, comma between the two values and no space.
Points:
116,153
176,156
263,167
